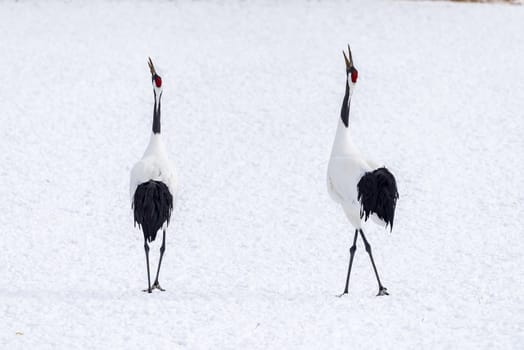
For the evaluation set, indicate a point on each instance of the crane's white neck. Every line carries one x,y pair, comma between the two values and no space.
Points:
343,143
155,146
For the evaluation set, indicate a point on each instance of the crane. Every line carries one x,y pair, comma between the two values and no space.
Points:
360,186
153,185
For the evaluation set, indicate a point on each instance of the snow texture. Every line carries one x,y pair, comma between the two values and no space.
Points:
256,250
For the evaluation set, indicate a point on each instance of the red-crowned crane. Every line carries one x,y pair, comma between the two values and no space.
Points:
153,186
362,188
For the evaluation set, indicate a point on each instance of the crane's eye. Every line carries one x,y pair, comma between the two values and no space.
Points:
354,75
158,81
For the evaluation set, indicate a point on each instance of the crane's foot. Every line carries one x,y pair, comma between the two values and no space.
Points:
382,291
343,293
156,285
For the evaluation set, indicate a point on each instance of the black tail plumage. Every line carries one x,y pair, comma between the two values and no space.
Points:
152,206
377,193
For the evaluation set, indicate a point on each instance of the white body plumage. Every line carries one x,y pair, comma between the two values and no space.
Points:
345,169
154,165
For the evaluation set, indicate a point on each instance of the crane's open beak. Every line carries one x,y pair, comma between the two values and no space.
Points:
349,62
151,67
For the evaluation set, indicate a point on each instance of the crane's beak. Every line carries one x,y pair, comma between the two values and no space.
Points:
151,67
349,62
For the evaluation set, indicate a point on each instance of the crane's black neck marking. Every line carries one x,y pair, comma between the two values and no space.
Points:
344,112
156,114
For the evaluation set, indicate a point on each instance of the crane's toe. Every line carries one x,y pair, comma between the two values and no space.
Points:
156,285
382,291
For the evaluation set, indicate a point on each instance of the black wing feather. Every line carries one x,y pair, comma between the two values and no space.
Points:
152,204
377,193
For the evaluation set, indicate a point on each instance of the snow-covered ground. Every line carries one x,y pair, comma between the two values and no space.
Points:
257,250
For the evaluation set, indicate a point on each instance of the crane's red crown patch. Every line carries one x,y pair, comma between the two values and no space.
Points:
158,81
354,75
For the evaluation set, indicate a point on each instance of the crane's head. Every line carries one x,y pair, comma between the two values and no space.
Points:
155,78
351,71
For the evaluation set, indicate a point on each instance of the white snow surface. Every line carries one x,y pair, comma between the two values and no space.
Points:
257,251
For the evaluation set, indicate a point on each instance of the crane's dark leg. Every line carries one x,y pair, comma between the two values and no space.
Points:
146,248
351,256
162,250
381,289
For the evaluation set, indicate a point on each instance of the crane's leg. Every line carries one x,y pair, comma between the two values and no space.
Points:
146,248
162,250
351,256
381,289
